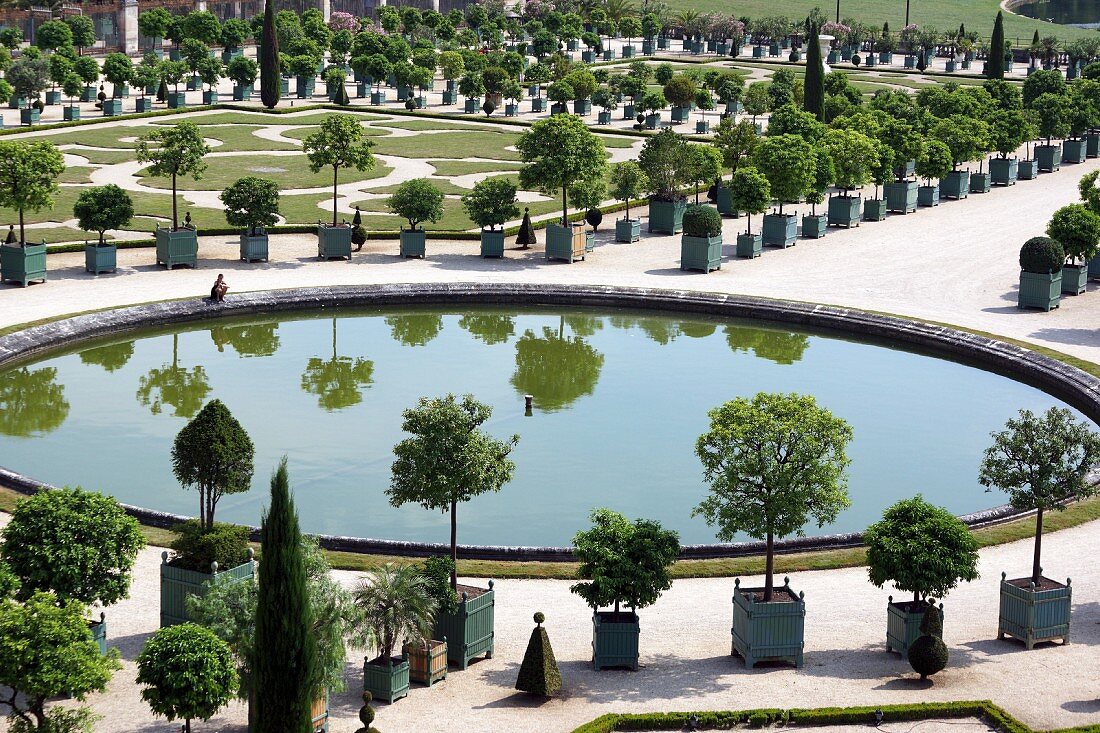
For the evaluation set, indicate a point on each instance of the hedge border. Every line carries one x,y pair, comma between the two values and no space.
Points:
985,710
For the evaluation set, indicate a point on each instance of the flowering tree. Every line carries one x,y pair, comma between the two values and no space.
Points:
341,21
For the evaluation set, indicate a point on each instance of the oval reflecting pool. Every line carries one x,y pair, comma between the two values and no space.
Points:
619,399
1083,13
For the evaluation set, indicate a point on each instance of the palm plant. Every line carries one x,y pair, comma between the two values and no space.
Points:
396,602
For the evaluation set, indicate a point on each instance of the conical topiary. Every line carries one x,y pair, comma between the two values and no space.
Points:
539,673
366,715
526,235
928,654
162,91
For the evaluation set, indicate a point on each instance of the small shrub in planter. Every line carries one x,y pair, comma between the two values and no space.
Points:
99,209
928,654
252,203
538,673
170,676
622,563
1077,229
1042,462
1041,262
491,203
921,549
749,192
701,243
416,201
628,182
933,164
769,498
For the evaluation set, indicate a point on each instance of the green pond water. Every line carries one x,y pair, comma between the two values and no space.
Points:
1085,13
620,398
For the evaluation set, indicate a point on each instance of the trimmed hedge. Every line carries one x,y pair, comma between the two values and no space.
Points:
1042,255
725,720
100,120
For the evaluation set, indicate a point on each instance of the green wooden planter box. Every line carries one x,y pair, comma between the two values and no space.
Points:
254,246
702,127
469,631
1049,157
194,83
333,242
177,100
874,209
666,217
473,106
903,625
52,98
814,226
1039,290
603,118
768,631
630,230
582,107
70,114
662,43
701,253
209,97
304,87
413,243
901,196
1094,268
609,54
99,632
377,98
653,121
112,107
449,97
1004,171
724,203
1074,279
29,116
17,102
648,48
749,246
844,211
1073,151
956,185
928,195
538,104
628,52
979,182
230,54
492,243
99,259
23,265
178,583
1033,615
1092,145
389,682
144,104
562,243
180,247
615,640
588,57
89,94
780,230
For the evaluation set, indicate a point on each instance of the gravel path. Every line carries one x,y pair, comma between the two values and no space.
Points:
686,665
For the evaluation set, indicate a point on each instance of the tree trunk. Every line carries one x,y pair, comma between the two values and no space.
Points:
335,169
564,206
22,232
175,220
454,546
1036,570
768,567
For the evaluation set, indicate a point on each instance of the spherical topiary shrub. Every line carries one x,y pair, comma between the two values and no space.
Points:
593,217
1042,255
702,221
358,235
928,654
540,617
793,57
856,60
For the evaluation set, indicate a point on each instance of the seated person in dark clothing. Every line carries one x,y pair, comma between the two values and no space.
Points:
217,293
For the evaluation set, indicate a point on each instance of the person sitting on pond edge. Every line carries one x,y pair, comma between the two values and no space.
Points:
217,293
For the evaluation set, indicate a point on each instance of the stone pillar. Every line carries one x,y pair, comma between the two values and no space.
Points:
128,26
326,9
200,5
237,11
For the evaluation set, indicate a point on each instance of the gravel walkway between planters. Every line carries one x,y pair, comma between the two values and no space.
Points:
685,647
956,263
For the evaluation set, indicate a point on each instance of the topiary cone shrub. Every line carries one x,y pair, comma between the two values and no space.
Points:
702,221
1042,255
539,674
928,654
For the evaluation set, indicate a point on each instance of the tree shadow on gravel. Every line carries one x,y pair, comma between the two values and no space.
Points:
661,678
128,646
673,272
907,684
868,662
1085,627
1075,336
1090,707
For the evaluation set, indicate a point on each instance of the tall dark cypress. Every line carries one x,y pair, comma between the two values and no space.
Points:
269,59
815,77
285,668
995,66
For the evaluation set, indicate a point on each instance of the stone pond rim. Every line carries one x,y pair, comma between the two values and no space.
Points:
1072,385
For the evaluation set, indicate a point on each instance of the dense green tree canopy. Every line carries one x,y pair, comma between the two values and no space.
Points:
188,673
214,454
339,143
103,207
557,154
28,176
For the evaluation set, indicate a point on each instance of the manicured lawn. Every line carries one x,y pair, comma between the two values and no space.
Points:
150,204
446,185
427,125
260,118
289,171
102,157
53,235
232,137
943,14
456,144
303,132
76,174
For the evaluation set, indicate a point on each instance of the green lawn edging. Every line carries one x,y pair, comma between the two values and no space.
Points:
985,710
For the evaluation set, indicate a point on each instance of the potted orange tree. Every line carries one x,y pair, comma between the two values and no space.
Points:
1077,229
768,478
175,151
1041,263
1043,462
491,203
416,201
30,171
340,143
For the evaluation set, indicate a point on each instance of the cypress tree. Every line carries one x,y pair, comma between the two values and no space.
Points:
815,77
269,59
995,67
285,665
